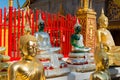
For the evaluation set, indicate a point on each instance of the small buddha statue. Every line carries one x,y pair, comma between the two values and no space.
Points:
104,36
77,39
80,59
28,68
102,65
43,38
3,64
27,29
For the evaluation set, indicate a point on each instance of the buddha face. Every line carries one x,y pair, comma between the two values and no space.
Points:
32,48
27,30
77,29
41,26
103,21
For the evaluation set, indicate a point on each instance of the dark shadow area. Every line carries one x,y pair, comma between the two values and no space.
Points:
114,73
115,33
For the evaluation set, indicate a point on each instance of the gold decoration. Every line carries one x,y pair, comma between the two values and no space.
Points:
88,21
113,10
117,2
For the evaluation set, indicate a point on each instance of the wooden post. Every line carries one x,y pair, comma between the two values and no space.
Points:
10,32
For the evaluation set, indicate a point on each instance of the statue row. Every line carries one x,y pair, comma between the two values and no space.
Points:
30,68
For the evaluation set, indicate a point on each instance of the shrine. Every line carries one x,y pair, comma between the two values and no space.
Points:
60,40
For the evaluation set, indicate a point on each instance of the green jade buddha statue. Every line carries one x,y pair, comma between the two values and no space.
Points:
77,40
80,59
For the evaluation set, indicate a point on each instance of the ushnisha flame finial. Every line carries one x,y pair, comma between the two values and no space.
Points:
102,16
40,19
77,23
102,12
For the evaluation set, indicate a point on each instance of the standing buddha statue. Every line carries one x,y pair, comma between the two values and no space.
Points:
28,68
102,65
104,36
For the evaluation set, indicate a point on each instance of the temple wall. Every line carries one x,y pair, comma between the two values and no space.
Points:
69,6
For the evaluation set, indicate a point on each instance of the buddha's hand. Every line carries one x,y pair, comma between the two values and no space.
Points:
80,46
106,47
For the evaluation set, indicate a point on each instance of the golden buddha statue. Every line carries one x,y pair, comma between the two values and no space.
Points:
104,36
102,65
28,68
3,64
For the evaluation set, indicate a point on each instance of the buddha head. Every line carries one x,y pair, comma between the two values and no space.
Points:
28,45
41,23
101,58
77,27
2,50
27,29
103,20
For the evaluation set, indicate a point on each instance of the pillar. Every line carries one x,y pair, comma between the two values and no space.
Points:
87,18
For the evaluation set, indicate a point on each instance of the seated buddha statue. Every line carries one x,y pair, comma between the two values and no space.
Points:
104,36
48,55
3,64
80,59
43,38
102,65
77,39
28,68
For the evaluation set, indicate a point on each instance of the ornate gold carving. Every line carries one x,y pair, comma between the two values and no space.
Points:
113,11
